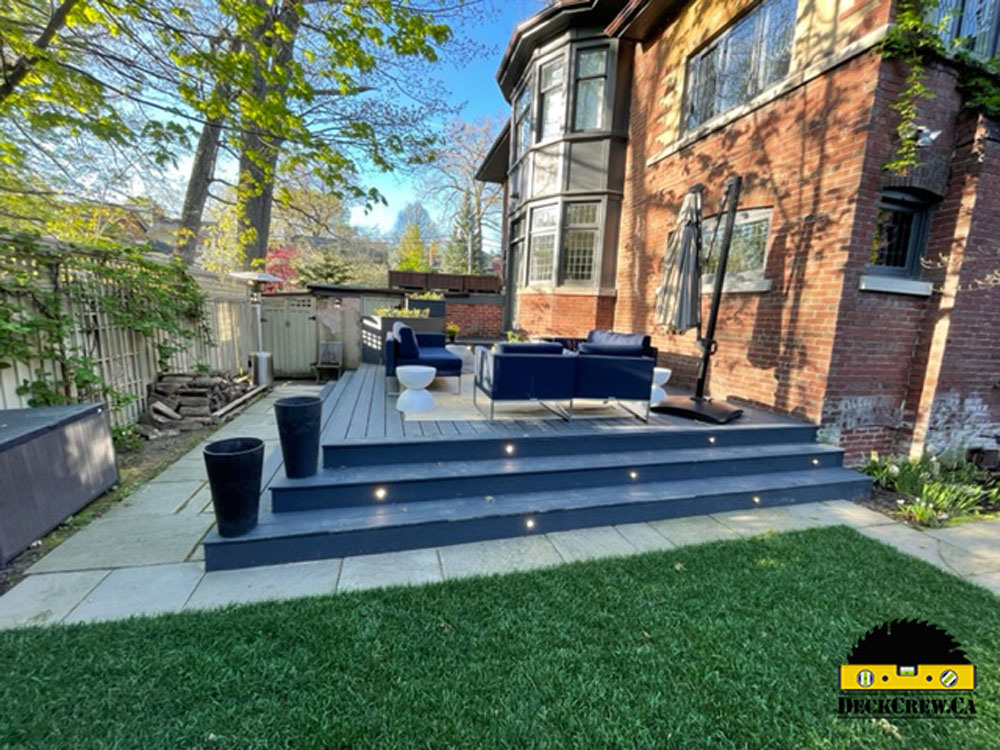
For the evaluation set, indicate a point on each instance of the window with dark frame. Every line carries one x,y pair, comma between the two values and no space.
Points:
749,56
976,22
581,229
901,226
551,99
589,85
542,243
517,247
522,120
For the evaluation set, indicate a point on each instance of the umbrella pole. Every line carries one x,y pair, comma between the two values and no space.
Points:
708,343
699,407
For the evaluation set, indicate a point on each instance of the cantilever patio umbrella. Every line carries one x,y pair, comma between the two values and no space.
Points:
678,299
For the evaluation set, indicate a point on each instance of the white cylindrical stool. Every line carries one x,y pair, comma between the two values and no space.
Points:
660,377
415,379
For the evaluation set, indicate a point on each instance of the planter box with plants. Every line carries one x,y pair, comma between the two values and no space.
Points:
432,302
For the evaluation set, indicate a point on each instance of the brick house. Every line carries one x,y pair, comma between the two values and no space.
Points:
853,297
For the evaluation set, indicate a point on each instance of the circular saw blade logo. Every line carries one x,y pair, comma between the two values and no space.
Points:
907,655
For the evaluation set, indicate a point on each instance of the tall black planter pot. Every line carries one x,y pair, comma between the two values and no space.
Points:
298,428
234,471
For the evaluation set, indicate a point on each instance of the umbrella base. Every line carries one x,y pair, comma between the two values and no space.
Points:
703,410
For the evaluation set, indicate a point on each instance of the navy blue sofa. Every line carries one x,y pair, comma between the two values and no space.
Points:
602,339
403,346
544,371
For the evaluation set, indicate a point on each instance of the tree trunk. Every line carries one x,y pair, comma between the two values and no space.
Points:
13,75
259,151
202,172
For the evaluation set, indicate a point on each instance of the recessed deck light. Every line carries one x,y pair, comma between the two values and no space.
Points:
509,448
380,493
633,474
530,523
711,439
756,499
815,462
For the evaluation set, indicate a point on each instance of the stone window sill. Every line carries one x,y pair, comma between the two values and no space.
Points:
736,285
873,282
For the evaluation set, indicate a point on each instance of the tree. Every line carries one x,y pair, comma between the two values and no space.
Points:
413,214
451,179
464,252
283,263
411,255
322,267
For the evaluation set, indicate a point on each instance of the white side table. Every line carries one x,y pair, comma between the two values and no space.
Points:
415,379
660,377
464,353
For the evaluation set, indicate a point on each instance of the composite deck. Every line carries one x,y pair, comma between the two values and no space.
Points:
386,484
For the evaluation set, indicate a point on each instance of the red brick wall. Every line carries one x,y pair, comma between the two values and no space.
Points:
803,155
476,320
563,314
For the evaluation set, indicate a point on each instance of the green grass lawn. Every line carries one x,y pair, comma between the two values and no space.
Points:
731,644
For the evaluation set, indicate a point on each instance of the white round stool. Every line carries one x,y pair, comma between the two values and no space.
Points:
660,377
415,379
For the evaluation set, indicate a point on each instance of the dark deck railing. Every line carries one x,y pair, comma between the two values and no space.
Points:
448,282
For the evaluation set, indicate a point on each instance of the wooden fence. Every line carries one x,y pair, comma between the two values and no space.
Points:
127,360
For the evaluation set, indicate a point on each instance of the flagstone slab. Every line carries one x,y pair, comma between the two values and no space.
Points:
163,498
126,541
762,520
693,530
853,514
989,581
181,471
245,585
147,590
979,539
46,599
909,541
644,537
408,568
591,544
498,556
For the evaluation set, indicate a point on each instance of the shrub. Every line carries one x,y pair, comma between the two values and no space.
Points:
398,312
935,490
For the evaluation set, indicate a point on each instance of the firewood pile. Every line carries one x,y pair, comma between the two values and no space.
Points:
182,402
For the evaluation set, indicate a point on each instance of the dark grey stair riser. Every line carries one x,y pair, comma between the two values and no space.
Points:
290,499
274,550
361,454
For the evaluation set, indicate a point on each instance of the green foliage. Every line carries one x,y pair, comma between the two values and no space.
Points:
127,438
53,294
411,255
452,329
465,231
917,42
517,335
426,295
322,267
935,490
400,312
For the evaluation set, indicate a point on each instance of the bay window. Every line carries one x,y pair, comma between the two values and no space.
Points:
749,56
589,86
974,22
522,120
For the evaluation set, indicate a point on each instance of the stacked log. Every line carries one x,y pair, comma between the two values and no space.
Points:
183,402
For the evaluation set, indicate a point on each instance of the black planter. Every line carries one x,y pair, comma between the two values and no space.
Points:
298,428
234,471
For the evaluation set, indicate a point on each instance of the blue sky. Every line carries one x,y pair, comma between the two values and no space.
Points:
472,85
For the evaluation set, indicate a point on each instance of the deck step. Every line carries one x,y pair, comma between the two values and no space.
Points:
411,482
589,438
358,530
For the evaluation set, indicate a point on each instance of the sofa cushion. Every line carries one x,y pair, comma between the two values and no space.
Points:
406,341
618,339
616,350
530,347
440,358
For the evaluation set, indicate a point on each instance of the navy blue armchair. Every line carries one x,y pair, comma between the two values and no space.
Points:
614,376
403,346
524,372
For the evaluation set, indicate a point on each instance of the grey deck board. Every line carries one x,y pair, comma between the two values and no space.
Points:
358,427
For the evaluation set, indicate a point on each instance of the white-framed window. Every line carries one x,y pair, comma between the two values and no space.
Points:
581,235
542,243
748,250
590,82
974,22
551,98
749,56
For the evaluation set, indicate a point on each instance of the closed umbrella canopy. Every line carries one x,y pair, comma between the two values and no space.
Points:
678,299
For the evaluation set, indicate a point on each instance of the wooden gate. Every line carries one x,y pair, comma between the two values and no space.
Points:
289,330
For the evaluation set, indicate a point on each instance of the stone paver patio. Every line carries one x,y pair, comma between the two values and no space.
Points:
144,556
